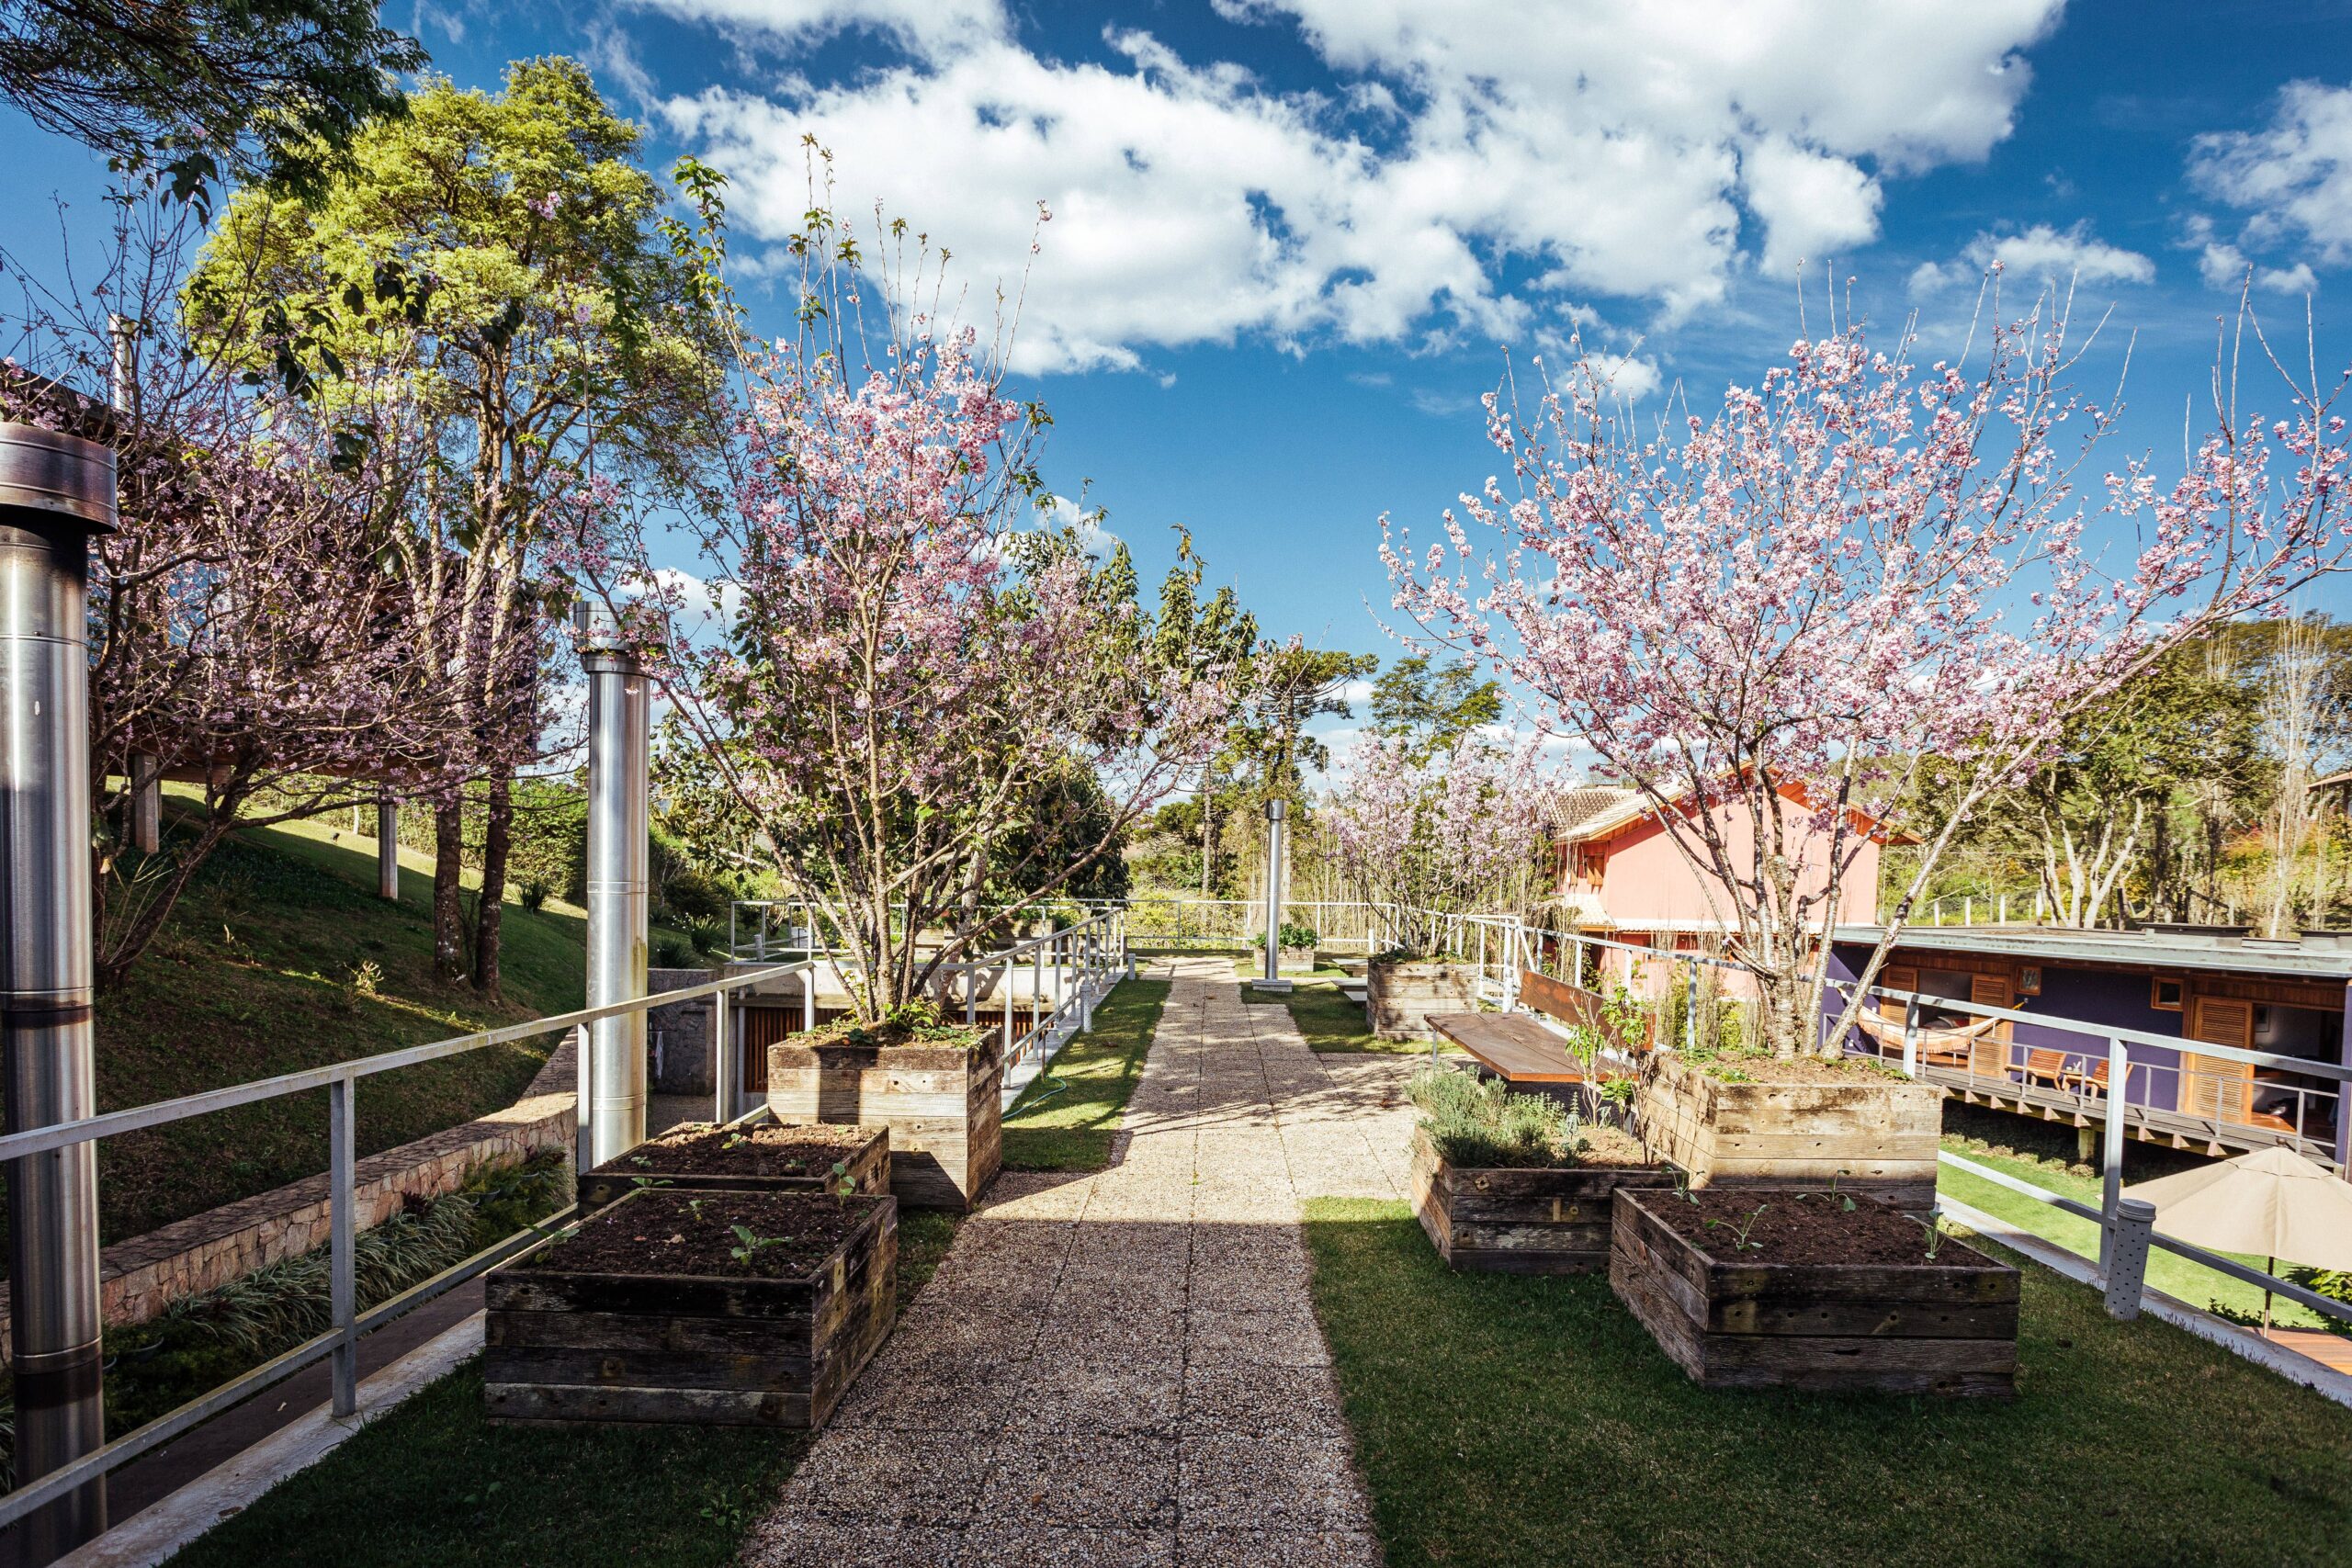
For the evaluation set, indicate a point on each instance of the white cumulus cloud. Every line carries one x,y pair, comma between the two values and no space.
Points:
1480,168
2294,176
2059,256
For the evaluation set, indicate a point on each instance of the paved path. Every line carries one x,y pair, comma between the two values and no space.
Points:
1124,1367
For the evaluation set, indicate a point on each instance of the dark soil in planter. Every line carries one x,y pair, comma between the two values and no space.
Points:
1799,1227
692,1233
702,1148
849,1031
1794,1071
1609,1146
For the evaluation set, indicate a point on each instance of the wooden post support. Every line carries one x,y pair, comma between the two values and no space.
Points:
146,802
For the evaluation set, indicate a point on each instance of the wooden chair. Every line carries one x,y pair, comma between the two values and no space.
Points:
2046,1067
2077,1081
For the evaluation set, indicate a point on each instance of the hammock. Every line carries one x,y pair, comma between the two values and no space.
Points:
1945,1046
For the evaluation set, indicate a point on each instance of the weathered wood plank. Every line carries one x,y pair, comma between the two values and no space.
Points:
1829,1326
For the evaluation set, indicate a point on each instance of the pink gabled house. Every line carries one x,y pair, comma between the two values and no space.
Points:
1617,874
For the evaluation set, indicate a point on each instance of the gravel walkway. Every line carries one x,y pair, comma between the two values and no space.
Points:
1124,1367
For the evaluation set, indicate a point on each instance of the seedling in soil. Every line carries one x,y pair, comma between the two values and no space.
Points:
842,1185
647,1183
734,1141
1843,1201
1935,1237
1682,1189
640,1162
752,1246
1739,1241
694,1207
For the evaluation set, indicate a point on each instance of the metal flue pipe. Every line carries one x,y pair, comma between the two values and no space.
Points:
613,1120
56,490
1274,811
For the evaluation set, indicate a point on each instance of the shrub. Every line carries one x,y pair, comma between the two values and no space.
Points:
1297,936
675,952
1478,1124
534,895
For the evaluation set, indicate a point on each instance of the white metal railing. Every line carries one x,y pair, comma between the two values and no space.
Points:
338,1344
1071,970
1190,923
1067,972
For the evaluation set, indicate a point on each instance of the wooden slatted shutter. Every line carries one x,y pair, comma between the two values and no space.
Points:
2211,1086
1988,1057
1896,977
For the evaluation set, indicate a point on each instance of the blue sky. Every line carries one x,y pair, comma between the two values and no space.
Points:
1293,238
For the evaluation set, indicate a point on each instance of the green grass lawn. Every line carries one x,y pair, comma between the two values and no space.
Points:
2191,1282
1070,1128
432,1482
1520,1422
1331,1023
259,972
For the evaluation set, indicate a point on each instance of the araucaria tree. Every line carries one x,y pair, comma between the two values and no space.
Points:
913,661
1765,621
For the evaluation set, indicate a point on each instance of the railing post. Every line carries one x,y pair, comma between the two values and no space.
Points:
56,490
341,1289
722,1064
2127,1265
1690,1006
2119,1069
1007,1052
1910,1034
387,849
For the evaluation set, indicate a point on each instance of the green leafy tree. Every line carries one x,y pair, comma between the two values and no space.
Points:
490,278
1430,706
201,91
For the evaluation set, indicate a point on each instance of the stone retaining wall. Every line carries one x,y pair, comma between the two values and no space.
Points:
677,1037
139,1277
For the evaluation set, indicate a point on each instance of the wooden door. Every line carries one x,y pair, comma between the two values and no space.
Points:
2211,1086
763,1027
1988,1057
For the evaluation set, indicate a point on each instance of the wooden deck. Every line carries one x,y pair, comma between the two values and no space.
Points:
1513,1045
2179,1130
2328,1349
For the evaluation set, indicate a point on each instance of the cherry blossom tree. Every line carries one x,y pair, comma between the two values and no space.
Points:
1438,834
1764,621
892,654
253,629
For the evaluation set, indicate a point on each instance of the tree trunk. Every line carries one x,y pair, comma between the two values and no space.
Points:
448,871
497,841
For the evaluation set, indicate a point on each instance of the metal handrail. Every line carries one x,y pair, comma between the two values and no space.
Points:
1102,950
2326,1306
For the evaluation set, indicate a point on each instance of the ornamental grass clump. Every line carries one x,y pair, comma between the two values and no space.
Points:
1478,1125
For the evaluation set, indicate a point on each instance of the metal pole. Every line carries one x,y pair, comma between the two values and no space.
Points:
387,849
1274,811
722,1069
342,1297
146,802
2119,1068
617,701
2127,1271
55,491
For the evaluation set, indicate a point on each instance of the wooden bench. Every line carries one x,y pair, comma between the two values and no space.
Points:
1516,1046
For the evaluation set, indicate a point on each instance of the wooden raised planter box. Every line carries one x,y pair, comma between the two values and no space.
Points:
1520,1219
1400,993
1875,1135
576,1345
1947,1327
865,1151
942,1105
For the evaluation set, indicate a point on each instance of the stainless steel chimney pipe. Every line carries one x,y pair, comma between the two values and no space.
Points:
618,704
55,491
1274,811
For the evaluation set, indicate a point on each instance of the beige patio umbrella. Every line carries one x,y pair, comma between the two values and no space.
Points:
2272,1201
